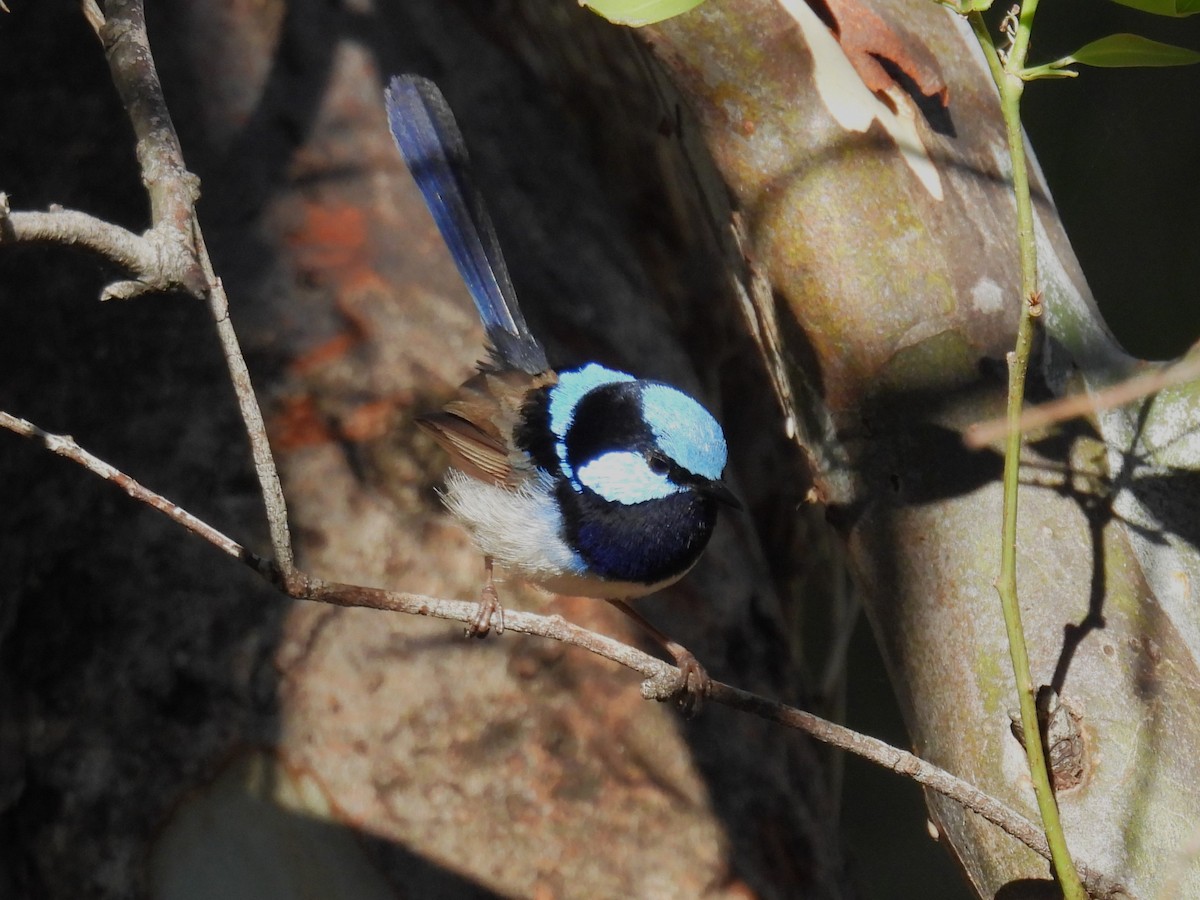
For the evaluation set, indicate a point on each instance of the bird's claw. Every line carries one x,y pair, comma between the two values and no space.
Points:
692,685
489,605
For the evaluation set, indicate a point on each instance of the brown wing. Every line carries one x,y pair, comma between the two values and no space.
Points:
479,454
476,427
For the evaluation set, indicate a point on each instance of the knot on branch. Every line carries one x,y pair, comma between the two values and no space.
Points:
663,685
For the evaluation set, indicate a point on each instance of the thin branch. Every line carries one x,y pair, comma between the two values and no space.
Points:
153,265
93,14
256,429
164,258
1018,26
910,766
661,677
172,189
64,445
1077,405
66,226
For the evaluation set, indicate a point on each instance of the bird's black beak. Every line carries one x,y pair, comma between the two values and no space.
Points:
718,491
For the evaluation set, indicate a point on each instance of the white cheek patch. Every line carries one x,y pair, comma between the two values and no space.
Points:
624,477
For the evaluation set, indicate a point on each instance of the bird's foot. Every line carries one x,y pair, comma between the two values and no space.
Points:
489,606
693,684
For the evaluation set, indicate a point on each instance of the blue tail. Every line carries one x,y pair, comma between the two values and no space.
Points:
433,148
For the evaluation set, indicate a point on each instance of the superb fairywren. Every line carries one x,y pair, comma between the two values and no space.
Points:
587,481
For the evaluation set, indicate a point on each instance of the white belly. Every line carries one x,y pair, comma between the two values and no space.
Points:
521,528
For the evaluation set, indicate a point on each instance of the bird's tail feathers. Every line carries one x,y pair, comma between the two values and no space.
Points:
432,145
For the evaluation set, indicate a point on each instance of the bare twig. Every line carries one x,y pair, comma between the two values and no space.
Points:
172,189
142,255
66,226
1017,26
1077,405
256,430
64,445
661,677
164,257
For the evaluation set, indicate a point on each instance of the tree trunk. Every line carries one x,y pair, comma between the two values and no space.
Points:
895,279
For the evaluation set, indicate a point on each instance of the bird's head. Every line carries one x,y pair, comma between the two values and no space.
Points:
633,441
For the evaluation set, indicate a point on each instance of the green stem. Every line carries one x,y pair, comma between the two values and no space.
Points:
1011,87
980,29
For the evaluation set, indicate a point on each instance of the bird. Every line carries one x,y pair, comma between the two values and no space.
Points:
584,480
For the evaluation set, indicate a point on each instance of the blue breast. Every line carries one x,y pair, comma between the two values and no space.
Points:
644,542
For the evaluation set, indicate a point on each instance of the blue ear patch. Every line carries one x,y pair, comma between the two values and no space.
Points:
572,386
685,431
623,476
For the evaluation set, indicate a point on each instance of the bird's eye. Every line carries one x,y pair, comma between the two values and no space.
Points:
658,464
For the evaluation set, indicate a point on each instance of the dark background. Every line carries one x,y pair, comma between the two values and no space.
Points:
1121,151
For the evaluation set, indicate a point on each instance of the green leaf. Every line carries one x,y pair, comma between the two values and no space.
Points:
644,12
1177,8
1122,50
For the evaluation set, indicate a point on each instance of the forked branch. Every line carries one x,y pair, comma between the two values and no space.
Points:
171,254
